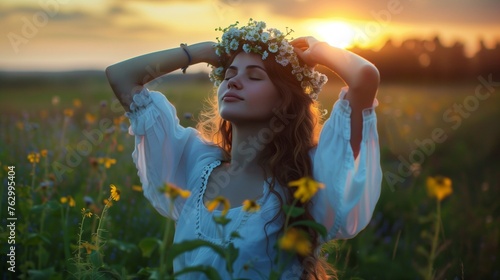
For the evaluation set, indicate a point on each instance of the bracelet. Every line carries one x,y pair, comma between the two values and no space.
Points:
184,47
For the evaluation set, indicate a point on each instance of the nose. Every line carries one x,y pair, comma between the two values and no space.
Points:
234,83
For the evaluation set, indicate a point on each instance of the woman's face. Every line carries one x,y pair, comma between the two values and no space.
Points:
247,93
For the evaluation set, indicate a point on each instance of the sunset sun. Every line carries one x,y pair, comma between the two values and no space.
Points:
336,33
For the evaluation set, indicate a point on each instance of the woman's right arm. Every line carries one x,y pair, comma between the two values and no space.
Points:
128,77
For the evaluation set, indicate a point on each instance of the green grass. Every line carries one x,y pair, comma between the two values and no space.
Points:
386,249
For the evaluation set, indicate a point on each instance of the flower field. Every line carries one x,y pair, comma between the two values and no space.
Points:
72,205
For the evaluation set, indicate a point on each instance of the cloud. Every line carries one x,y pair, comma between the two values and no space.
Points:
412,11
113,21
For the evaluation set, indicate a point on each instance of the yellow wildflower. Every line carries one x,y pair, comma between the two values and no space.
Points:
118,120
214,204
44,114
68,199
107,202
137,188
34,157
174,191
250,206
71,202
106,161
86,213
296,240
88,247
44,153
89,118
77,103
68,112
306,188
439,187
115,193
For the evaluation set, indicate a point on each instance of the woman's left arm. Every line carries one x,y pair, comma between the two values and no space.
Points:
361,77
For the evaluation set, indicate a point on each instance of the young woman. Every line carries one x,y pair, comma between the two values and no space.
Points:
261,135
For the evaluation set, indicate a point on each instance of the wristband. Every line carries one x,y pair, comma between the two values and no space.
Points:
184,47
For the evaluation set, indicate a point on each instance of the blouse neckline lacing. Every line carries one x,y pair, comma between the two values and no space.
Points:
237,215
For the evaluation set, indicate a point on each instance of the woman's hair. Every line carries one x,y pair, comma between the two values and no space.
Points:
286,157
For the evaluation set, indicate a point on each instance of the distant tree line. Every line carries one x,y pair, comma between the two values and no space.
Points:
429,61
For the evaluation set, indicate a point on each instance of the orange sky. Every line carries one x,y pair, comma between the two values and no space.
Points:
57,35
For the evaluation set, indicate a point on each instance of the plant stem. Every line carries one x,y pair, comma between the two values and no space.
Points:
435,240
64,218
40,245
285,228
290,213
33,176
98,231
163,247
78,256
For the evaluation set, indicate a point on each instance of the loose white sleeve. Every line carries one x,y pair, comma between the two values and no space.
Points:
352,186
165,152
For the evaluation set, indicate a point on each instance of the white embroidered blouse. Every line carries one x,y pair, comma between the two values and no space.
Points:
167,152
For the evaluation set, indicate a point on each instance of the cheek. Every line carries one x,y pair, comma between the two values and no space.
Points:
221,88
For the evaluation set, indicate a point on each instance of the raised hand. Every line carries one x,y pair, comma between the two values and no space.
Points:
305,49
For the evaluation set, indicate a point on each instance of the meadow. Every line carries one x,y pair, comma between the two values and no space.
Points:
65,141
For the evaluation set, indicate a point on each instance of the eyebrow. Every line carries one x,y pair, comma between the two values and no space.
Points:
248,67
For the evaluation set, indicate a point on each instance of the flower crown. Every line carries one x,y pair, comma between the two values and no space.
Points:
256,39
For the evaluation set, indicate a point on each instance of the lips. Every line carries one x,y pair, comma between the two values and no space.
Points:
231,97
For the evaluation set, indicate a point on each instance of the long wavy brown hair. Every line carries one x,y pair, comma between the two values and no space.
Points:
287,155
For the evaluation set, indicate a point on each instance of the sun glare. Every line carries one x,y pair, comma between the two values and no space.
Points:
336,33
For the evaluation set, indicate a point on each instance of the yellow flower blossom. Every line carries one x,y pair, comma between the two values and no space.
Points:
106,161
88,247
172,191
44,153
107,202
115,193
68,199
34,157
118,120
306,188
89,118
71,202
250,206
439,187
214,204
44,114
68,112
77,103
137,188
296,240
86,213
